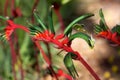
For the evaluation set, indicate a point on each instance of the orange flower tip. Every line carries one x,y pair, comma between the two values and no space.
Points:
7,38
36,34
102,33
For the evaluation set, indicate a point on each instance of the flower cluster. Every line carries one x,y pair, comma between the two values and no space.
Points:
103,31
62,41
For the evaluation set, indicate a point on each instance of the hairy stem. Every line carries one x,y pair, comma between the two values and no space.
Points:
17,51
53,72
36,57
88,68
69,49
46,59
57,11
43,53
49,53
13,57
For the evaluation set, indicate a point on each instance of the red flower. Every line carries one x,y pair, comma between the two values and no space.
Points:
17,12
113,37
60,73
11,27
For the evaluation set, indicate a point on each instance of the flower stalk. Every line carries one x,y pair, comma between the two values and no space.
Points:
46,36
14,58
57,11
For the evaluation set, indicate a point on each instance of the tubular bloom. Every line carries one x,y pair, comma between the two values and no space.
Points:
113,37
50,37
45,36
11,27
62,41
61,73
103,31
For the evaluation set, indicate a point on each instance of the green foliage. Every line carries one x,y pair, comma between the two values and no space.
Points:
68,29
26,50
97,29
3,18
69,64
51,27
34,29
102,21
39,20
79,27
116,29
102,24
84,36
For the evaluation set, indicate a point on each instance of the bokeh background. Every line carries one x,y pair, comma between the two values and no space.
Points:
103,58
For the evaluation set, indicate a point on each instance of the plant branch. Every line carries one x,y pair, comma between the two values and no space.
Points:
43,53
57,11
13,58
69,49
47,38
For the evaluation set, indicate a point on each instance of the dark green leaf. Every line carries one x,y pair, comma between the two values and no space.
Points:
116,29
33,31
39,20
34,28
51,21
69,65
102,21
69,27
84,36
